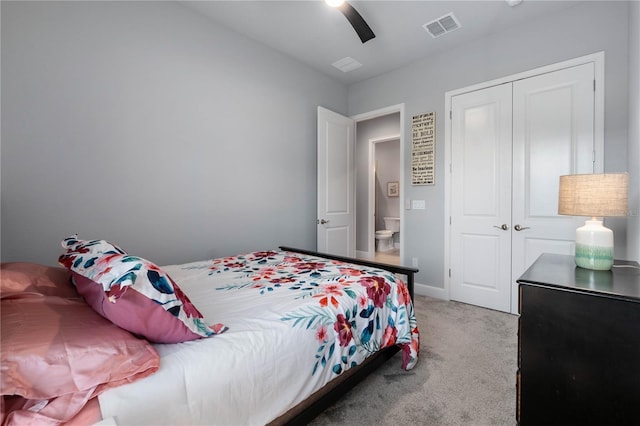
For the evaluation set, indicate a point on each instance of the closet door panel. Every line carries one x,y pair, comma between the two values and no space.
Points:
553,122
481,198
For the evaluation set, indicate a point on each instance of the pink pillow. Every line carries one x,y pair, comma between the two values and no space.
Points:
20,277
136,313
133,293
54,350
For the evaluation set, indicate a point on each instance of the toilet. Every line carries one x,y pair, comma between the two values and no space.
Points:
384,238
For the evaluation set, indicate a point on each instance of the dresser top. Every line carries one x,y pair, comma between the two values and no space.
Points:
558,270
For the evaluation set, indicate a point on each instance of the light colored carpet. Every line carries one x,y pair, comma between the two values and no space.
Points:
466,374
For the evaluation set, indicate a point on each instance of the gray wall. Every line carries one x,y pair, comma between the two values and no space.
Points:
633,241
145,124
422,86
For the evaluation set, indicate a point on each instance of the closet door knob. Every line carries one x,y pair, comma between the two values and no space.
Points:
322,221
520,228
504,227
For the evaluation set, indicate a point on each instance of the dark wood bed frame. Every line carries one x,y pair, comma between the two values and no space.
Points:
304,412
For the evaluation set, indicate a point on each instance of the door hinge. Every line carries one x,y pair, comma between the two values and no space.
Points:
450,115
449,272
594,84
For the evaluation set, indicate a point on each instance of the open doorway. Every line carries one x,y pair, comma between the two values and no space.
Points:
379,190
384,170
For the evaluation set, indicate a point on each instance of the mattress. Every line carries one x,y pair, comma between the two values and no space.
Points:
295,322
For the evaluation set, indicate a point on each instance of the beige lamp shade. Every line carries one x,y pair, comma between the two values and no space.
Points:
595,195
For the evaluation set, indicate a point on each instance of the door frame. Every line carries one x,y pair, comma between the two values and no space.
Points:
596,58
398,108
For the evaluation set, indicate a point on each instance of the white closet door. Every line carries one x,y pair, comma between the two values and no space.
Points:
481,198
553,135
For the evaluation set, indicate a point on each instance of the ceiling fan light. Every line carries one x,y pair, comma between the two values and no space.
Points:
334,3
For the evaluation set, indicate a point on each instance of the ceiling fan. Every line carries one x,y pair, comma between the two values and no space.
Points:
357,21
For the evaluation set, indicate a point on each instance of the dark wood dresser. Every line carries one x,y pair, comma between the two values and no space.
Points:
578,344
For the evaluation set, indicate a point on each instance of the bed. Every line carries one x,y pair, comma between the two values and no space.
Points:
269,337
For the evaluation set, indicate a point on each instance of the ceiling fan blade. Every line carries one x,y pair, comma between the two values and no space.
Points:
357,22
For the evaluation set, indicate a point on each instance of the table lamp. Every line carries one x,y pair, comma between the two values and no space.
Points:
594,195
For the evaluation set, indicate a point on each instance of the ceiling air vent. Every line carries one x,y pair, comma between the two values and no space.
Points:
347,64
442,25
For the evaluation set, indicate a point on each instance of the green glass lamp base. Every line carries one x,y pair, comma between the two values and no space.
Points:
594,257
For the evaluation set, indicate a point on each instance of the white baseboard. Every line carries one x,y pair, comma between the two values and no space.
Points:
430,291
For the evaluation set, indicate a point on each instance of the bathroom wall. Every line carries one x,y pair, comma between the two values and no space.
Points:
387,170
366,130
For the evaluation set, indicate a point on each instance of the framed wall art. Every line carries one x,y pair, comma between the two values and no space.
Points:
393,189
423,153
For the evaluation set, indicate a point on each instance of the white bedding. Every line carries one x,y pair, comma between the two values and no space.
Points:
263,365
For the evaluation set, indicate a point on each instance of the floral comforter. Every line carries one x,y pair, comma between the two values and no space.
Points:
295,322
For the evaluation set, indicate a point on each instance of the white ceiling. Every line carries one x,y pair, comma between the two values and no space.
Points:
319,35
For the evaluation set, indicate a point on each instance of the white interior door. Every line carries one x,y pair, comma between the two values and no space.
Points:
336,228
481,198
553,135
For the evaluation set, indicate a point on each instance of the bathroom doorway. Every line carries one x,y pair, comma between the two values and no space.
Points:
379,127
385,167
